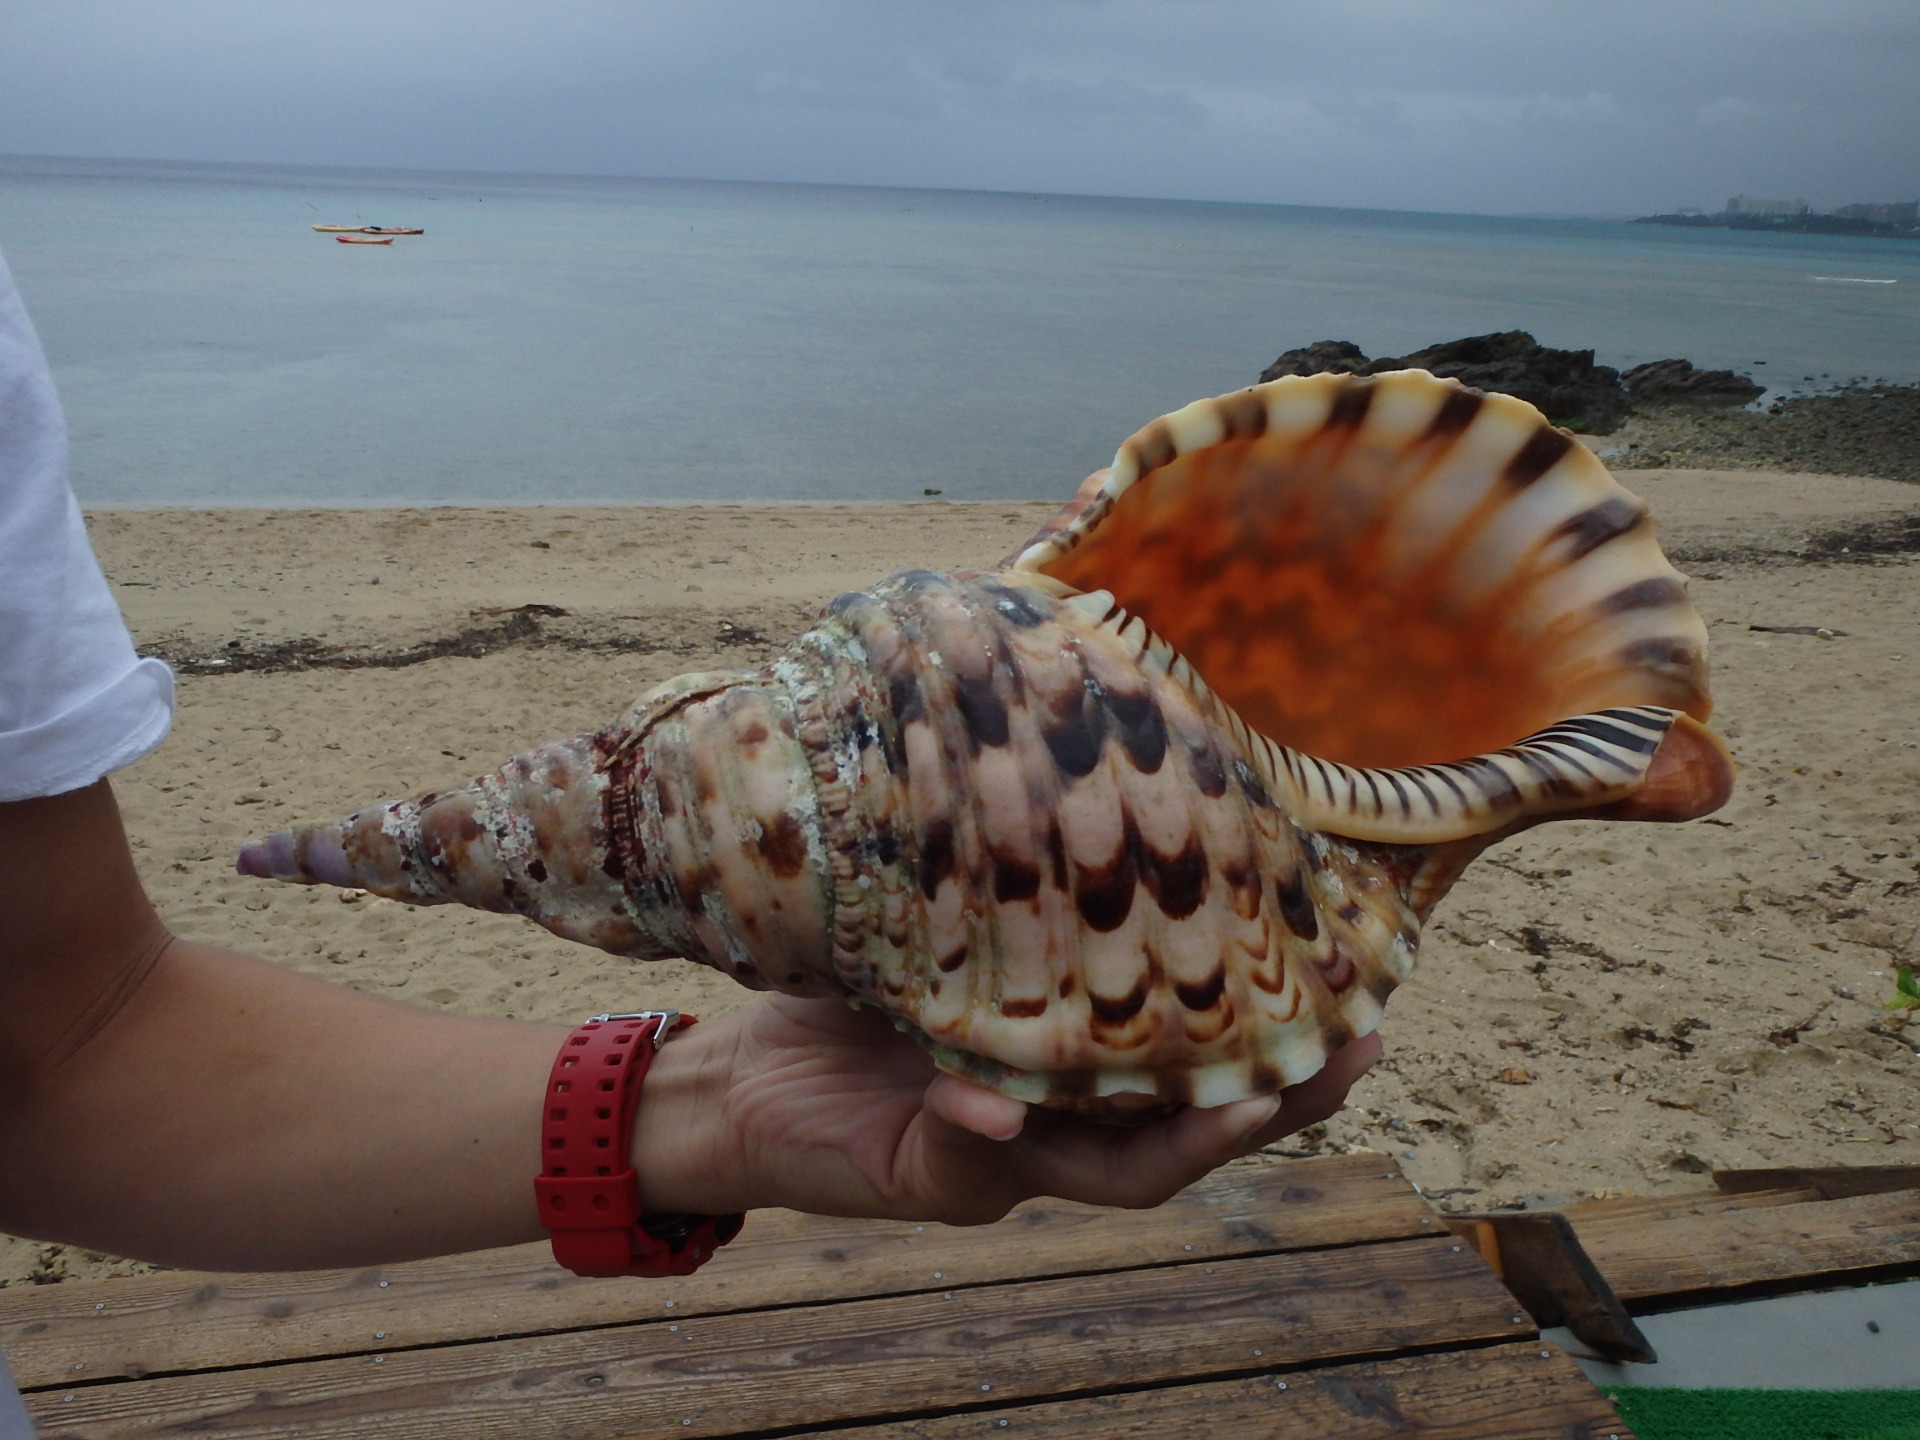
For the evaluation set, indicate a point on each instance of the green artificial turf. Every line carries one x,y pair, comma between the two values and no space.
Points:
1659,1413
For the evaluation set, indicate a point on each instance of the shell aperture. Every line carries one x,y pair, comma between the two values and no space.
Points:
1118,825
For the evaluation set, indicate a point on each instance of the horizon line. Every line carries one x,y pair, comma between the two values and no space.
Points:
406,171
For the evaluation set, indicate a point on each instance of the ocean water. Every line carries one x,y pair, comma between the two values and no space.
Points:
554,339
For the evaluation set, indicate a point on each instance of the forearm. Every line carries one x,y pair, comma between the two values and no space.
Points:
233,1115
176,1102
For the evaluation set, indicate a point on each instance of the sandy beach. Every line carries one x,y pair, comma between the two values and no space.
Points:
1598,1009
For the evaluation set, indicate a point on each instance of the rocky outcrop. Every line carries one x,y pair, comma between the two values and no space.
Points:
1567,387
1676,382
1322,357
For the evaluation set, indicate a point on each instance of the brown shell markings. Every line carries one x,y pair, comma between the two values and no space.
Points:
1152,814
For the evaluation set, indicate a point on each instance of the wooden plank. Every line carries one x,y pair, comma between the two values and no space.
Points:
1508,1392
157,1324
818,1366
1644,1259
1699,1202
1831,1182
1541,1260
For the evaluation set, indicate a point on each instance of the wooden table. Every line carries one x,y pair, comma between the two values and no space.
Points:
1315,1298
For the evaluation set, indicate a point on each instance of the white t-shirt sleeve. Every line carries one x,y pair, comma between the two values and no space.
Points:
75,701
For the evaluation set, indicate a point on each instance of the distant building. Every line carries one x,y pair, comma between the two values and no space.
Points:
1748,205
1896,220
1907,214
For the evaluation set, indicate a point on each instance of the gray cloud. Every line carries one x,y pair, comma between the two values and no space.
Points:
1488,105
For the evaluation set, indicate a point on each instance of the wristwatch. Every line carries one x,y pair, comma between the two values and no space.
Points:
588,1190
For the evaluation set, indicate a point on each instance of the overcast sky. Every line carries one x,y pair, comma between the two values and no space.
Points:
1496,106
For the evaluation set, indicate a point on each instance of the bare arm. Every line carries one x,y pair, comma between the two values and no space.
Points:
190,1105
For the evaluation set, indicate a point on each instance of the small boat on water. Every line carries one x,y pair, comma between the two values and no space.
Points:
362,240
367,230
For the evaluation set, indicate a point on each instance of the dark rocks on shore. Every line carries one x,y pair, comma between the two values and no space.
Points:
1677,382
1566,386
1671,413
1322,357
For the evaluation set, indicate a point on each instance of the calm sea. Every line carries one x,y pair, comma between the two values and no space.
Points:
556,339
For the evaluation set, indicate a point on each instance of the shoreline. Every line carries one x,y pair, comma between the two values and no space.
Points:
1596,1008
1858,428
319,508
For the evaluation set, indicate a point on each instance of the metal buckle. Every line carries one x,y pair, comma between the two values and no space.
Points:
667,1019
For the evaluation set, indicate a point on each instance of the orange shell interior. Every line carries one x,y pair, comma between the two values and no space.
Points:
1274,568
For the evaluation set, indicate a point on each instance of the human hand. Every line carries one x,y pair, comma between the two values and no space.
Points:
814,1106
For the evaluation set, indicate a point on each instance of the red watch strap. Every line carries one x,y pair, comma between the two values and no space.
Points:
588,1191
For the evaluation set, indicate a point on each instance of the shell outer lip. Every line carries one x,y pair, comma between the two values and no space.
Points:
1534,774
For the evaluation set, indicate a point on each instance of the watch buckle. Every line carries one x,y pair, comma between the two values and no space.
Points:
667,1020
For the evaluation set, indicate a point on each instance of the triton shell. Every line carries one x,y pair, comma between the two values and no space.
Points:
1153,813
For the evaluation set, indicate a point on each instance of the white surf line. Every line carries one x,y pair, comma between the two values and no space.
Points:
1848,280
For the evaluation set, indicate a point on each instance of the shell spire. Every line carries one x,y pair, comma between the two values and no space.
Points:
1151,815
629,839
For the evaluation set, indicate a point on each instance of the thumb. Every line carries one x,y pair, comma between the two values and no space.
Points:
1204,1139
970,1107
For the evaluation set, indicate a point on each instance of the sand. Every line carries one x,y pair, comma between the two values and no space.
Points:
1599,1009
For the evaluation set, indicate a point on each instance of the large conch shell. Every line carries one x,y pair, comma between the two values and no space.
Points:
1153,813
